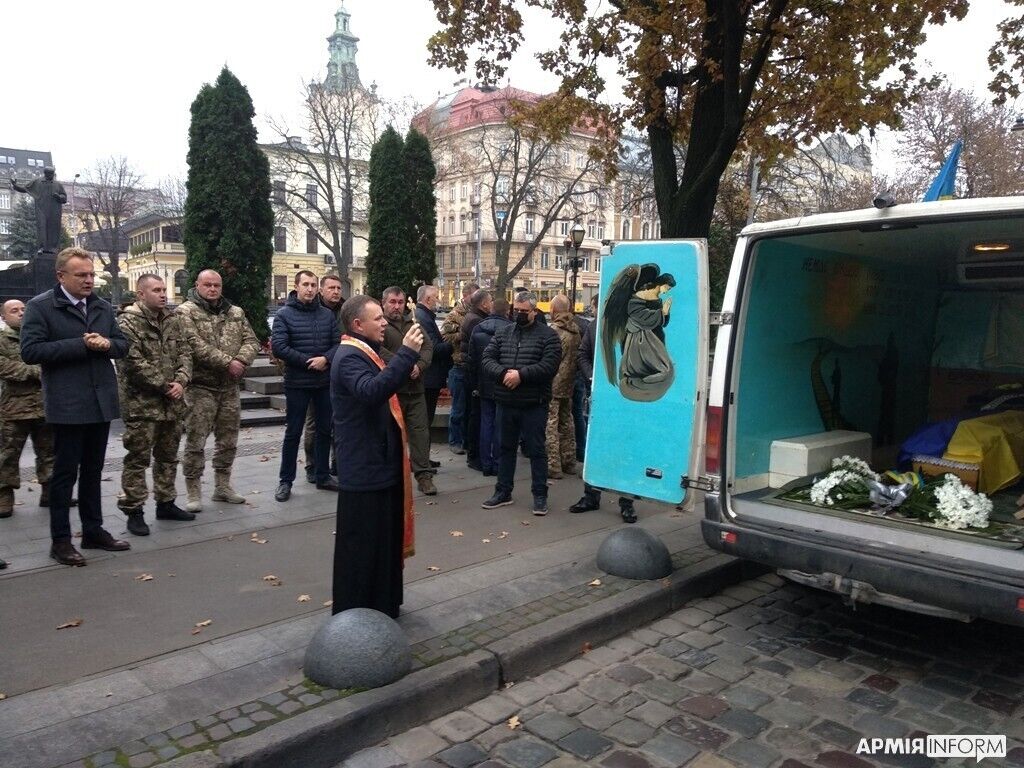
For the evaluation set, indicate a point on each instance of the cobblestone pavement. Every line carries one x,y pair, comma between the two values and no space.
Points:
763,674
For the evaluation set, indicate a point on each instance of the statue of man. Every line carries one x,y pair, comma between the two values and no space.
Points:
49,196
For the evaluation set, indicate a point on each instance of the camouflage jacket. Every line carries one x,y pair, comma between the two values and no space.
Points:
158,355
22,395
217,336
393,336
451,331
569,337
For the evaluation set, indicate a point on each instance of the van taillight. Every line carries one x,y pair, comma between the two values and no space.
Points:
713,440
1020,603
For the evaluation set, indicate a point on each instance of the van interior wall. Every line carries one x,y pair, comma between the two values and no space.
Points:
831,341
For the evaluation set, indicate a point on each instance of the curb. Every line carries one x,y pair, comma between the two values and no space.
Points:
325,736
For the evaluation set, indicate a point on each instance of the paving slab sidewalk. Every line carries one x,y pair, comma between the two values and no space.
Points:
153,691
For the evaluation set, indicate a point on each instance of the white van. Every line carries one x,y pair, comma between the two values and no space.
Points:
864,333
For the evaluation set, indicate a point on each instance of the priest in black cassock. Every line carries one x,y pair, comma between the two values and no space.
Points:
375,522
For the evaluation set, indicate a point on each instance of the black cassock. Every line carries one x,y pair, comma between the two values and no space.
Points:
368,550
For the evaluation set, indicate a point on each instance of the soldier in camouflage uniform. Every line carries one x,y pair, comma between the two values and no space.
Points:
21,404
223,346
152,382
560,436
451,331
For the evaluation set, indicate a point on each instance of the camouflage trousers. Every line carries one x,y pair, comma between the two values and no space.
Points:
13,435
211,410
143,439
560,436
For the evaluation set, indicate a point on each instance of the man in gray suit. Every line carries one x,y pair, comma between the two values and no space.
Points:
72,335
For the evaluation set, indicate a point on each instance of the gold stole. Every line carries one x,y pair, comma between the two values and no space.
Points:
408,532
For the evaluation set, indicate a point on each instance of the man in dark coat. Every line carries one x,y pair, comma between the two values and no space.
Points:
330,297
72,335
479,309
591,498
305,338
436,376
490,449
374,517
522,360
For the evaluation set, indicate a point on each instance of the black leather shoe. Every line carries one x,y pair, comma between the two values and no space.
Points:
64,553
3,564
435,464
310,475
103,540
168,510
137,523
283,492
330,484
585,504
627,511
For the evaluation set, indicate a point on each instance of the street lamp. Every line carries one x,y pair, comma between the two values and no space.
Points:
74,218
574,241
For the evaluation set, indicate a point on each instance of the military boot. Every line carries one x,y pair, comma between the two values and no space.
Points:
136,522
193,487
223,491
168,510
6,502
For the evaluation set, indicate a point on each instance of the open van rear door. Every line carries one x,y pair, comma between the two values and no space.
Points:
650,370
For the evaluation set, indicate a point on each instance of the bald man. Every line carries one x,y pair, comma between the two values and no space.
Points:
21,407
223,346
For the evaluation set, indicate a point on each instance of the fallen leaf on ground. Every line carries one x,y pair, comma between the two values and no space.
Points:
328,603
594,583
144,577
587,648
3,696
71,624
504,535
270,577
22,503
513,722
172,575
524,522
456,534
485,541
199,626
433,568
264,458
303,598
255,540
431,503
509,684
455,501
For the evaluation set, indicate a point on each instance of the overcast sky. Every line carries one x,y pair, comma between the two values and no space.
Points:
91,79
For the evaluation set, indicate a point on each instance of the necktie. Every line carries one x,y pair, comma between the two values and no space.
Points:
81,308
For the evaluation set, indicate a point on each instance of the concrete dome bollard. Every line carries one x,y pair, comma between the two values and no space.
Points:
357,648
634,553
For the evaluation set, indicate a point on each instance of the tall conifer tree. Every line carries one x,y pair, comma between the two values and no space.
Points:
422,225
388,261
229,224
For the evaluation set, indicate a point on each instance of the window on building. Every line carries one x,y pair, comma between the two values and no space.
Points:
451,257
5,226
462,224
565,157
451,224
563,228
657,229
645,231
545,259
278,194
529,224
591,229
502,186
585,266
3,159
559,258
311,241
463,258
463,190
500,218
10,160
280,239
311,195
600,230
625,229
597,263
5,201
451,194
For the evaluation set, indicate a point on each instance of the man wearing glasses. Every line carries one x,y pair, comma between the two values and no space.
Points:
72,335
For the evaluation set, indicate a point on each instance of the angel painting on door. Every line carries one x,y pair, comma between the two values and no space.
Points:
632,323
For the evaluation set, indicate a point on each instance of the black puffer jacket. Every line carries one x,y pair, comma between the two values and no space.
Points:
482,336
302,332
534,351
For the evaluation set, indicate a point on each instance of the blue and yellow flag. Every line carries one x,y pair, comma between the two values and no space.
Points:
944,186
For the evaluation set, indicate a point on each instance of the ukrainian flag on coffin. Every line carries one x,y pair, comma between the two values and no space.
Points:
944,186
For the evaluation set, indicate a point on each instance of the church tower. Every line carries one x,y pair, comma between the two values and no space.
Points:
342,71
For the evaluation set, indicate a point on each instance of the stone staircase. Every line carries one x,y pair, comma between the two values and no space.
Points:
262,401
262,398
